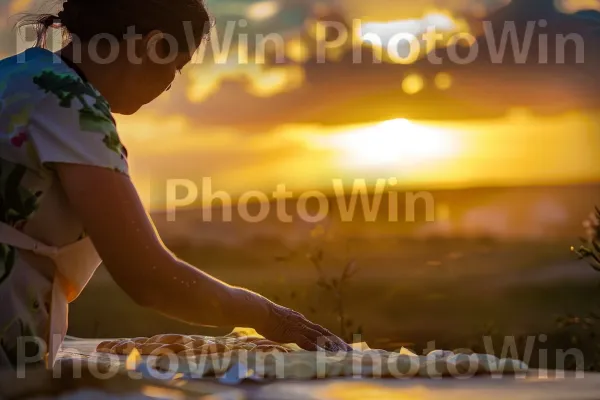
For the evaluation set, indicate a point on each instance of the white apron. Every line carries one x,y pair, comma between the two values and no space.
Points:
74,266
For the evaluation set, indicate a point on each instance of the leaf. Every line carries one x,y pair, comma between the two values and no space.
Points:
62,86
91,121
102,106
113,142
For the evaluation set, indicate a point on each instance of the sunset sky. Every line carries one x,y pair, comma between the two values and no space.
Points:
517,150
167,140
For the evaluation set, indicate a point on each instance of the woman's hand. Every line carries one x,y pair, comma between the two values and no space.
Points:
288,326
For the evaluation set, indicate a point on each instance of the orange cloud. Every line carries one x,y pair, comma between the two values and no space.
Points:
19,6
258,80
571,6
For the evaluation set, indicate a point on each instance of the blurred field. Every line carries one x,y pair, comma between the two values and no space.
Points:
496,262
407,292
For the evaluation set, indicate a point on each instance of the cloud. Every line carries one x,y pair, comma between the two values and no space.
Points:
385,10
19,6
413,27
344,91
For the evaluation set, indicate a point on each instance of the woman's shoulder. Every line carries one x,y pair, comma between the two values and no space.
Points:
37,73
46,105
40,83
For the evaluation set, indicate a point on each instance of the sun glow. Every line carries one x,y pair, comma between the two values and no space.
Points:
395,142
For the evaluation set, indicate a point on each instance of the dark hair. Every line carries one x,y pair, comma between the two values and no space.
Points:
88,18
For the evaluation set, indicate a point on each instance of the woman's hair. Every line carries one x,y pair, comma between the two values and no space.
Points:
85,19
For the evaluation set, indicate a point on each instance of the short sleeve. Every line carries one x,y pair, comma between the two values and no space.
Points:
72,123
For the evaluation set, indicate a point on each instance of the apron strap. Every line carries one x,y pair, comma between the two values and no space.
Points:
75,264
15,238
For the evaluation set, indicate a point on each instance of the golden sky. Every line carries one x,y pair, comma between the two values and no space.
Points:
168,140
517,150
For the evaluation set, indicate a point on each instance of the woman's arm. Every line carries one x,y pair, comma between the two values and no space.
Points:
140,264
113,216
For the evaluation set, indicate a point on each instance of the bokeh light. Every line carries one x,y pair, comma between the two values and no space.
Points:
413,84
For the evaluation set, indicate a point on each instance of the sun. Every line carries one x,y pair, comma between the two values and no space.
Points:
393,143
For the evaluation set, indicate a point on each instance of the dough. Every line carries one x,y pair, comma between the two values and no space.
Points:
168,349
268,348
269,359
212,348
104,347
171,339
148,348
139,340
124,347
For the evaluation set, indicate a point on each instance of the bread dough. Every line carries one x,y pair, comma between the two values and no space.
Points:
205,356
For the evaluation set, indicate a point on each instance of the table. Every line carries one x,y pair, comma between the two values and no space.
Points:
538,384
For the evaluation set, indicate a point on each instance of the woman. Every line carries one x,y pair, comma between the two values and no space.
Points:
66,200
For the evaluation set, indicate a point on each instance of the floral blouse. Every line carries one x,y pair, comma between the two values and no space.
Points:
49,113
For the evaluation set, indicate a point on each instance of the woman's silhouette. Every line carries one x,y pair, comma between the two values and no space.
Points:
66,200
